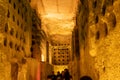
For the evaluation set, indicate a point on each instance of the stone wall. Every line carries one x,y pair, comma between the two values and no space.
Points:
15,36
98,25
46,69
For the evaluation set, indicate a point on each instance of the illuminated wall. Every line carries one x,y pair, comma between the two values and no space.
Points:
15,43
98,24
59,68
60,54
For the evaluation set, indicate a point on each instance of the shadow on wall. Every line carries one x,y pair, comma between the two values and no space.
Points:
85,78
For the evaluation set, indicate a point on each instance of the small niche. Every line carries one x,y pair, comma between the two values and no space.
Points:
11,44
18,22
31,49
18,48
97,35
6,27
33,43
13,18
14,5
16,34
5,42
18,11
23,60
104,69
106,29
95,4
8,14
12,31
23,48
103,10
112,19
9,1
96,19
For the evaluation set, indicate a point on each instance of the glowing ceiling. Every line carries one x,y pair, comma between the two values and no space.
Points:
57,15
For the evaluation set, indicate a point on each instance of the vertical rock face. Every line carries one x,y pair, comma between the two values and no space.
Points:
15,36
99,35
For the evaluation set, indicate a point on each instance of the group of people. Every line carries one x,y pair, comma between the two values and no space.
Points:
64,75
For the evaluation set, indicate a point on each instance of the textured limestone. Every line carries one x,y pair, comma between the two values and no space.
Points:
46,70
98,25
15,36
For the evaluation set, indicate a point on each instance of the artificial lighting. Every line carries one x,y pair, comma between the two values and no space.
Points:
58,16
42,58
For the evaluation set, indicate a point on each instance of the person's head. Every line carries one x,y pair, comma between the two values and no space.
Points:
85,78
62,73
58,72
49,77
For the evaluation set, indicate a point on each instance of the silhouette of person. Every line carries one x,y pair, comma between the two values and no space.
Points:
85,78
53,76
66,74
59,75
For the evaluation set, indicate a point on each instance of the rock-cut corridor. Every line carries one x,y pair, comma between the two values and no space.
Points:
38,37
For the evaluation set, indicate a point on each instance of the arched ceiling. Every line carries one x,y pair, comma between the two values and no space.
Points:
58,16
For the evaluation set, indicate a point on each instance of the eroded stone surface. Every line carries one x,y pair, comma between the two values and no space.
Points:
100,56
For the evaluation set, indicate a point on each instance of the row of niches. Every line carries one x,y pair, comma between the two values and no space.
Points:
55,63
66,49
105,27
20,11
14,33
57,57
60,62
56,53
17,21
60,44
104,5
11,44
109,24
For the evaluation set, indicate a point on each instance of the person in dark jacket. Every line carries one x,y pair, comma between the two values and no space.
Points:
53,76
66,74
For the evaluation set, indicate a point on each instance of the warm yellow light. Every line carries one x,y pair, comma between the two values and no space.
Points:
58,16
42,58
59,68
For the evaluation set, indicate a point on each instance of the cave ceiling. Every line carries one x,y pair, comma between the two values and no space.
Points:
57,16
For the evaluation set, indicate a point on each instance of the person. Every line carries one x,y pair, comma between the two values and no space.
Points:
58,76
66,74
53,76
62,74
49,77
85,78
